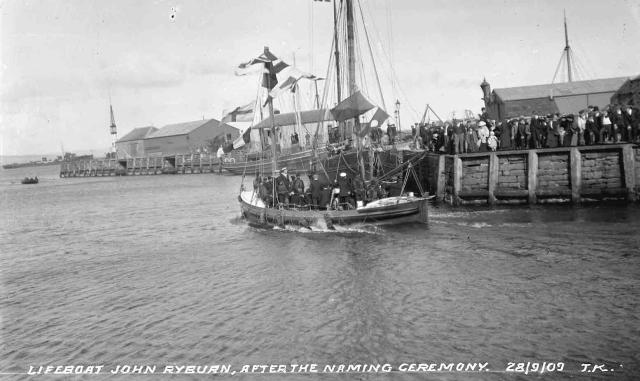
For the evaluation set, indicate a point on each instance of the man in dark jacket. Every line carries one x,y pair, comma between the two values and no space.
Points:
283,187
631,121
345,189
617,122
297,188
536,131
458,138
315,188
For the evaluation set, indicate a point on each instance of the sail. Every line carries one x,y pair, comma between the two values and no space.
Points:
351,107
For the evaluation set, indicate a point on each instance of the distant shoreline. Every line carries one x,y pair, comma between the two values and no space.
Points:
34,164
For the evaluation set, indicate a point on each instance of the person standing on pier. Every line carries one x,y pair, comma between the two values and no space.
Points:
632,121
536,131
522,134
471,139
617,123
458,138
505,135
553,132
605,128
483,135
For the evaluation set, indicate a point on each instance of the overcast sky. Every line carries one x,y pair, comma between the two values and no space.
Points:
61,60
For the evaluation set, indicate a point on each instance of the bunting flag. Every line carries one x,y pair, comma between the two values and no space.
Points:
272,66
380,116
289,85
239,114
244,138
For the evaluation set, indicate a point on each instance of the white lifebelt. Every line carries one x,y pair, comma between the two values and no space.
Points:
230,160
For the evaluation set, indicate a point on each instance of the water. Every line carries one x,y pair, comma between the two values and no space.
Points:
159,270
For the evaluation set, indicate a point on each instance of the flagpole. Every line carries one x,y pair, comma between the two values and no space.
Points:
274,137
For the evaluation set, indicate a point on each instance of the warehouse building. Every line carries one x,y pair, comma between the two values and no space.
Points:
132,144
189,137
563,98
629,93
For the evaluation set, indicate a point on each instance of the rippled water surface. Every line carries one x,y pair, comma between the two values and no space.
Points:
161,270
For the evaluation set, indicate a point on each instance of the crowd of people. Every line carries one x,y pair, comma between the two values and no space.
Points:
614,124
346,192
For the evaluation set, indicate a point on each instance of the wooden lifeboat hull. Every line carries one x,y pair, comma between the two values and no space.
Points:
390,210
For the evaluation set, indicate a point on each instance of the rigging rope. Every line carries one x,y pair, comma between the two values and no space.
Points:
375,70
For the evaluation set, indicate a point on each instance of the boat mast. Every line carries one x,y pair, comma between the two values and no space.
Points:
337,52
567,49
351,61
274,136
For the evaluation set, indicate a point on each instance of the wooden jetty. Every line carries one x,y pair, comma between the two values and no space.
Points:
565,174
150,165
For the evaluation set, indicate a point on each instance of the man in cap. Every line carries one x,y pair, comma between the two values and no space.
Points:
283,187
297,187
536,131
345,188
315,187
631,121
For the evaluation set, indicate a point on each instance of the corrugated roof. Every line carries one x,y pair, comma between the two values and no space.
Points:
137,134
561,89
289,119
181,128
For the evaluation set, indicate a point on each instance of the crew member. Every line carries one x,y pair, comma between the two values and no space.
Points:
283,187
297,186
315,188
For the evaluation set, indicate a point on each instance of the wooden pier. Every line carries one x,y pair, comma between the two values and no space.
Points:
566,174
150,165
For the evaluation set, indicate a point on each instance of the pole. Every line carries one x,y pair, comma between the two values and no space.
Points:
274,136
567,49
337,52
351,60
315,83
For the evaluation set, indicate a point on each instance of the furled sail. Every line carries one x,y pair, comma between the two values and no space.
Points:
351,107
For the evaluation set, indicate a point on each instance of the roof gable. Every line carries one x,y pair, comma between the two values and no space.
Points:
182,128
137,134
561,89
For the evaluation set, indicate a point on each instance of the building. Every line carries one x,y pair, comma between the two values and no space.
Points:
292,125
189,137
628,93
563,98
132,144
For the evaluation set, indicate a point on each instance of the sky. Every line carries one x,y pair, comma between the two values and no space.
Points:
162,62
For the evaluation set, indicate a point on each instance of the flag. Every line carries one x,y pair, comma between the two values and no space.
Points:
239,114
272,65
290,83
380,117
